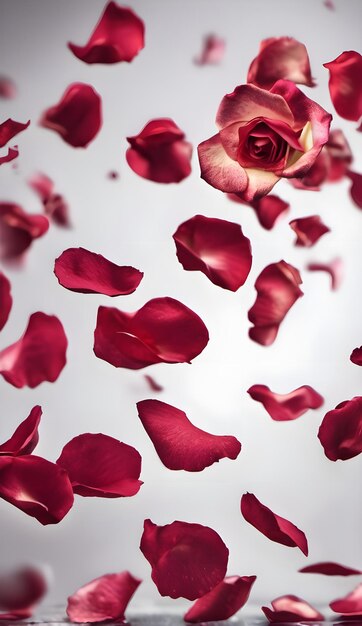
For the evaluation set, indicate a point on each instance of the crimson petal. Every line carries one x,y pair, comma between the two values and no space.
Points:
6,301
308,230
7,88
340,432
356,188
273,526
213,50
187,560
38,356
12,154
333,268
328,568
223,601
54,203
287,406
152,383
10,129
20,591
351,604
18,229
25,437
267,209
356,356
291,609
345,85
280,58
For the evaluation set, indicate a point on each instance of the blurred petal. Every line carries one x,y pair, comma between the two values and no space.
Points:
291,609
308,230
356,188
6,301
351,604
12,154
25,437
333,268
345,84
8,89
223,601
356,356
213,50
287,406
10,129
18,229
328,568
280,57
152,383
20,591
340,432
54,203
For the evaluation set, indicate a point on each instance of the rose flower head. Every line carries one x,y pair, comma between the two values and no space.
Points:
263,136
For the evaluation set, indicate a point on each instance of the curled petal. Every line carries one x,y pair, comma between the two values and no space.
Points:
179,444
39,488
25,437
187,560
215,247
356,188
104,598
12,154
38,356
223,601
6,301
333,268
351,604
247,102
7,88
10,129
20,591
218,169
308,230
356,356
345,85
54,203
273,526
340,432
18,229
213,51
280,57
77,117
328,568
152,383
288,406
115,474
291,609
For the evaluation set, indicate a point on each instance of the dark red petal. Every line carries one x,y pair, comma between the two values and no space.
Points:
340,432
83,271
179,444
7,88
77,117
39,488
287,406
114,475
356,356
12,154
273,526
38,356
308,230
267,209
21,589
333,268
291,609
215,247
113,175
356,188
118,36
278,289
153,384
54,203
6,301
351,604
223,601
104,598
10,129
25,437
213,50
328,568
345,85
163,331
340,155
187,560
18,229
280,57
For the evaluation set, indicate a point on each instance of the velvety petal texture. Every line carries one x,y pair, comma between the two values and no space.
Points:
340,432
287,406
351,604
213,50
38,356
345,85
278,289
77,117
99,465
308,230
356,356
55,205
280,57
291,609
329,568
179,444
104,598
18,229
187,560
273,526
163,331
20,592
25,437
215,247
80,270
10,129
267,209
223,601
6,300
160,152
334,268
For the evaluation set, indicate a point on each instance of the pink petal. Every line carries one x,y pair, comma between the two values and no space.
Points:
54,203
118,36
213,50
163,331
18,229
179,444
39,488
20,591
356,356
308,230
77,117
25,437
10,129
187,560
328,568
38,356
278,289
356,188
83,271
218,169
273,526
217,248
345,85
12,154
333,268
114,475
8,89
280,57
340,432
152,383
351,604
223,601
6,301
291,609
329,4
288,406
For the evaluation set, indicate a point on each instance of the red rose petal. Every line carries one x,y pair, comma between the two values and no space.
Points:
345,85
6,301
340,432
20,591
329,4
179,444
77,117
38,356
340,155
308,230
280,57
7,88
12,154
356,188
286,406
153,384
223,601
328,568
25,437
18,229
267,209
10,129
215,247
160,153
39,488
54,204
115,473
118,36
351,604
273,526
83,271
291,609
356,356
278,289
333,268
213,50
163,331
187,560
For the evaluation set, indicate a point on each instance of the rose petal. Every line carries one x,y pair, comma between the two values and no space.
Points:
99,465
8,89
345,86
213,50
351,604
80,270
328,568
25,437
163,331
179,444
153,384
113,175
280,57
6,301
54,204
308,230
273,526
215,247
77,117
356,356
329,4
333,268
223,601
18,229
340,432
340,155
39,488
12,154
356,188
287,406
291,609
187,560
104,598
38,356
10,129
118,36
278,289
218,169
20,591
267,208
